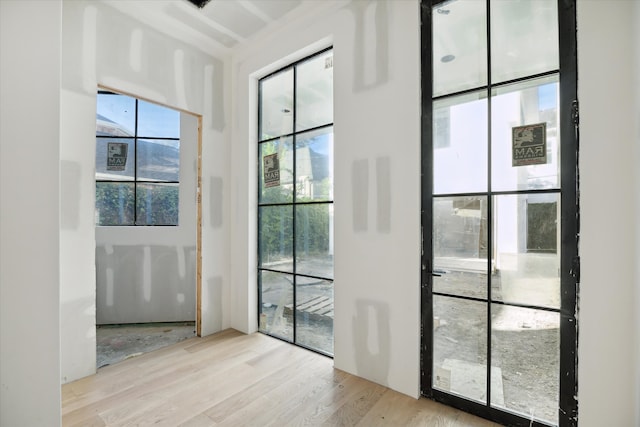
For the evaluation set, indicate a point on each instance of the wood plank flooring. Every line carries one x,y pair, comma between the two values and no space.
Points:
232,379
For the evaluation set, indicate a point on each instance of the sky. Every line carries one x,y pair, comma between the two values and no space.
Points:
153,120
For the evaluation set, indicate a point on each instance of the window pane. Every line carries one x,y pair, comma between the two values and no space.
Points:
314,242
314,92
459,46
115,115
314,165
115,159
460,246
276,294
314,313
524,38
460,349
529,103
158,121
527,249
276,171
158,160
525,348
275,237
157,204
460,144
114,203
276,105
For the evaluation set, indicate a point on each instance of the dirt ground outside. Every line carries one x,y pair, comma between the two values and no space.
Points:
524,342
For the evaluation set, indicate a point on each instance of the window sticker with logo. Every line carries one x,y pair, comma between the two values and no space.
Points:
529,145
117,156
271,167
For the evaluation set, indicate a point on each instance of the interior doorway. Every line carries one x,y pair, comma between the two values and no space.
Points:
500,208
148,224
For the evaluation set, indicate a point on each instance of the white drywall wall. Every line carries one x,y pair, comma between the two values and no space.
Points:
377,180
608,337
29,212
148,274
29,226
103,46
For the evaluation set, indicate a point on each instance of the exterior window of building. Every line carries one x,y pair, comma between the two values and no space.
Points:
137,162
295,203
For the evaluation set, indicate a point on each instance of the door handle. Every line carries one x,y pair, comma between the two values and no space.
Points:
438,273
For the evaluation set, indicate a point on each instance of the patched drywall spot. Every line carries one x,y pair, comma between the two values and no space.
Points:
372,340
360,194
70,194
109,287
181,262
146,274
214,93
371,53
383,190
216,201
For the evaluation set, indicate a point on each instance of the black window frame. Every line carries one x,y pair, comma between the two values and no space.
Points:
135,182
570,222
294,202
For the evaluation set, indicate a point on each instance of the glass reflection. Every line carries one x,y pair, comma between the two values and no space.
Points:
314,166
459,348
314,313
275,238
524,38
459,46
460,144
527,249
158,159
314,92
115,203
525,349
276,105
276,316
314,242
115,114
157,121
157,204
460,246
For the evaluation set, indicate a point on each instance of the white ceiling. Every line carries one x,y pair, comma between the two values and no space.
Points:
219,26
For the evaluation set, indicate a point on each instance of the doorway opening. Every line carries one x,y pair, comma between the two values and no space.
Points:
148,225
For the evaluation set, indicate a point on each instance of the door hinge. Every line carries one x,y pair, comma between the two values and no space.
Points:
575,112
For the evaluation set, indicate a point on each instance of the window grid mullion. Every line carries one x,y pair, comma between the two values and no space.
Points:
489,206
135,168
294,139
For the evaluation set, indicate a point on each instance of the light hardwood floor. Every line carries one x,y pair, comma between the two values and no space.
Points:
232,379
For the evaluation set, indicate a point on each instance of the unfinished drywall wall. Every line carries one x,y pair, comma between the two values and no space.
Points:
29,208
148,274
377,179
608,338
102,45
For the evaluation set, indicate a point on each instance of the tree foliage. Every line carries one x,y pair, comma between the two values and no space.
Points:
156,204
